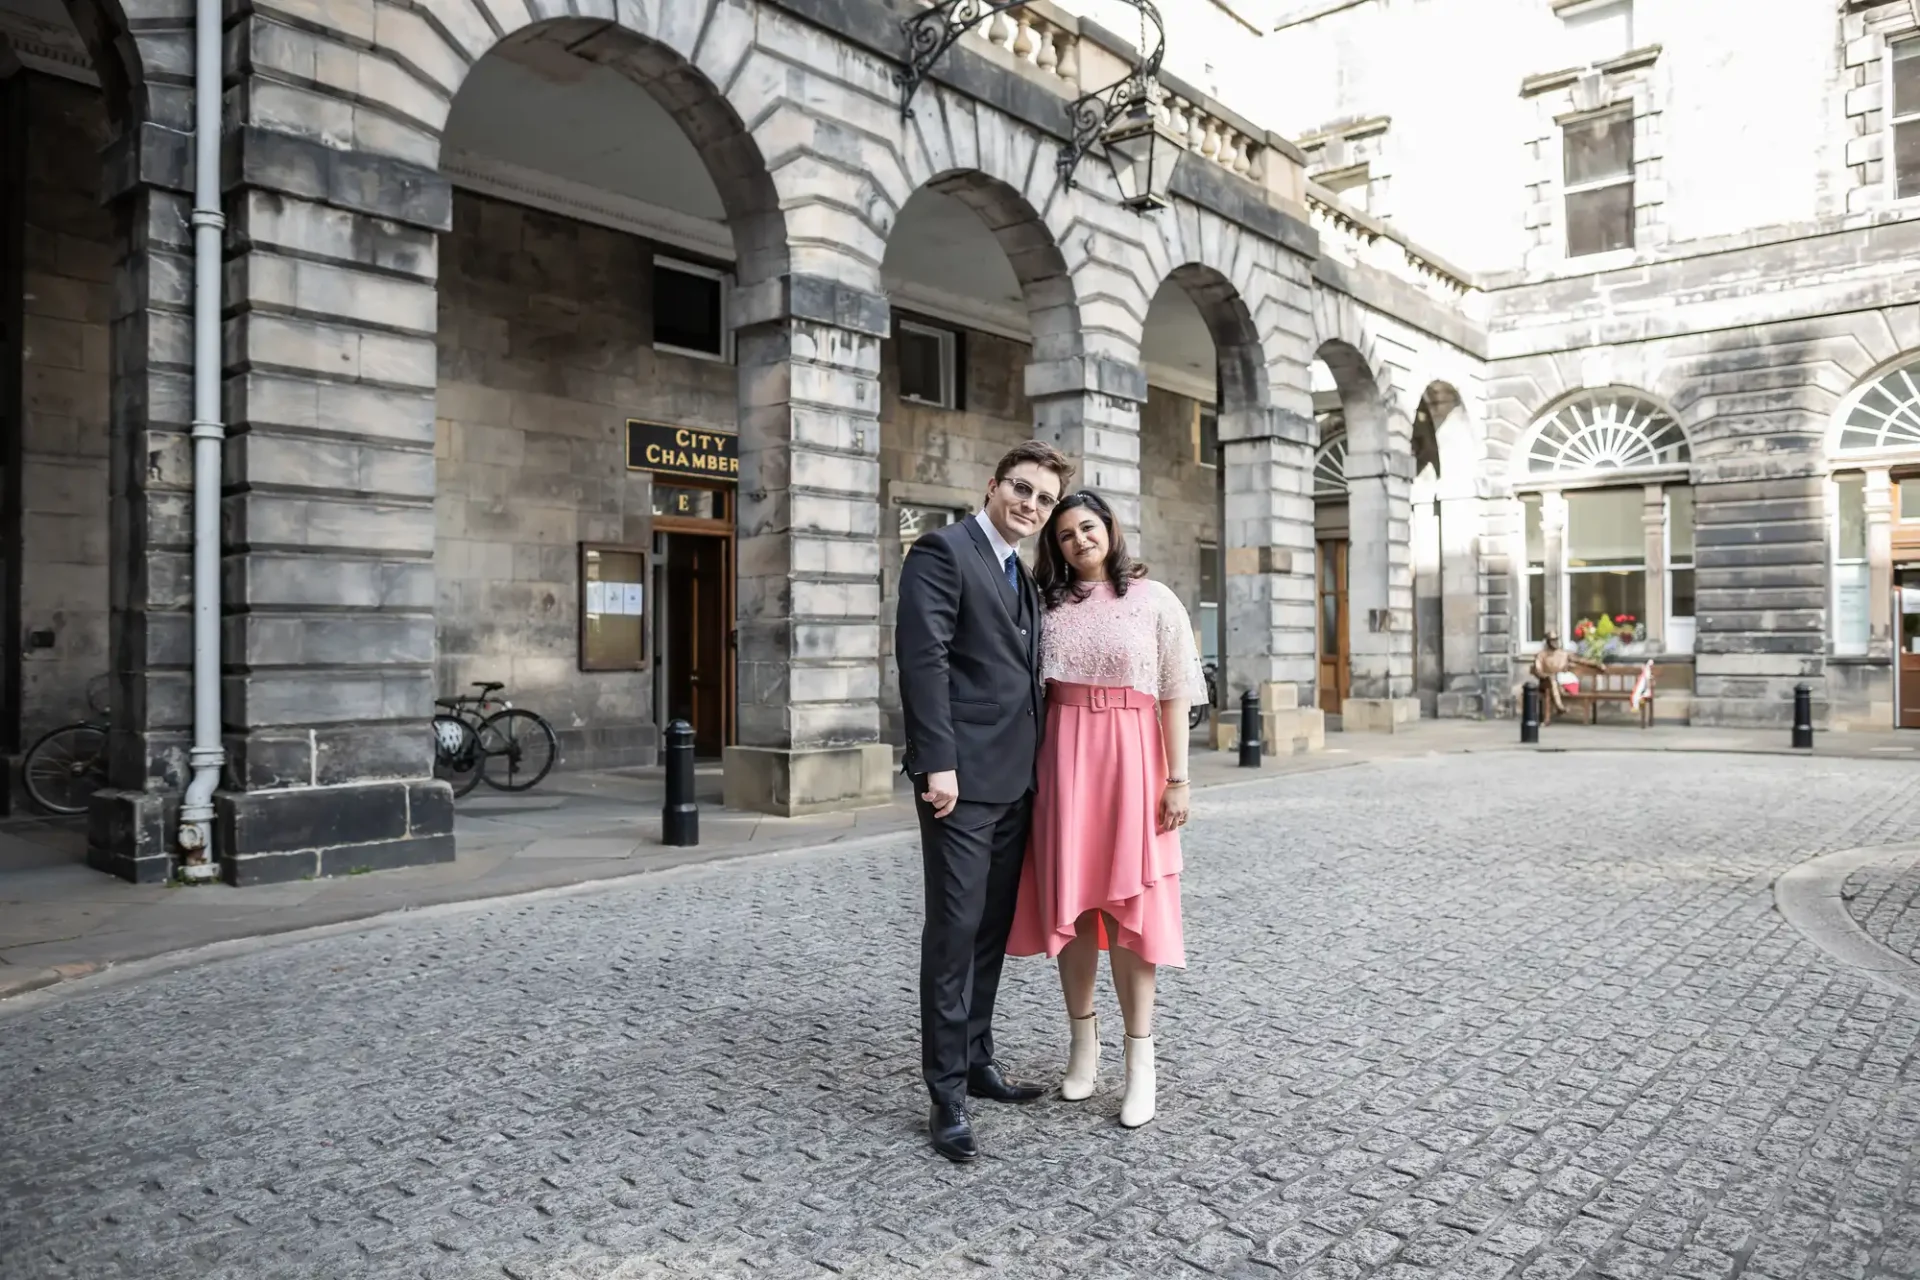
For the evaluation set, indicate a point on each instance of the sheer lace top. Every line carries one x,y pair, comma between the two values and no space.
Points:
1142,640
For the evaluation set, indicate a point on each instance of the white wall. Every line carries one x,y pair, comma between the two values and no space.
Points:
1754,135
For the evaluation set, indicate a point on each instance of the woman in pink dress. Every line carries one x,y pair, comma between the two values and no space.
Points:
1103,864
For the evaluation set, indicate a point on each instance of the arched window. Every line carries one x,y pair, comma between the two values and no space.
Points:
1330,469
1885,414
1613,430
1605,471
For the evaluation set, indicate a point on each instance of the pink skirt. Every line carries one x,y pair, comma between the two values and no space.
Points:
1096,842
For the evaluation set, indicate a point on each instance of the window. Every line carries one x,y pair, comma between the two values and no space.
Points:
916,520
1330,469
1605,431
928,364
1207,615
690,310
1904,58
1598,175
1885,414
1606,554
1906,506
1680,590
613,636
1208,447
1536,541
1851,580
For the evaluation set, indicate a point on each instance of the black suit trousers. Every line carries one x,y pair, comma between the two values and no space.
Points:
972,858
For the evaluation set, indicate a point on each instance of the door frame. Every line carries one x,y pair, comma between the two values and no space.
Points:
729,644
1343,625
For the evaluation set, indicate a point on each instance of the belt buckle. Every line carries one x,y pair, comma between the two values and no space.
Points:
1097,698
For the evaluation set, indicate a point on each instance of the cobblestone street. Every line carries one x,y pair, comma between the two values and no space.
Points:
1473,1016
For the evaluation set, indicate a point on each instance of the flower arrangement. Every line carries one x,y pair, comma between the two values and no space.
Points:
1608,637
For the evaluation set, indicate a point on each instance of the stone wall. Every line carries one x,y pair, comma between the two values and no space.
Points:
1179,497
69,251
545,345
942,458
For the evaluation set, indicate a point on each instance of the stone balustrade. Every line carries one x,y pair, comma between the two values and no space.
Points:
1035,36
1347,235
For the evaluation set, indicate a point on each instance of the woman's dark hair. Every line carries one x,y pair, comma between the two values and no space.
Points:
1055,575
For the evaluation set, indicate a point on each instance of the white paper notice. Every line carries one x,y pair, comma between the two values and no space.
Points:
632,601
596,597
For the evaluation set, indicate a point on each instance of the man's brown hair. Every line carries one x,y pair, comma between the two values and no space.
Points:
1036,451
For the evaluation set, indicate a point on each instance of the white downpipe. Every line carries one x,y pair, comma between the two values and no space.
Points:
207,756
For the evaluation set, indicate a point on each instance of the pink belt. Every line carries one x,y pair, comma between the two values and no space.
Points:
1100,697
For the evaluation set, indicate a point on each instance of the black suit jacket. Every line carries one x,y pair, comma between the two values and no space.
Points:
968,648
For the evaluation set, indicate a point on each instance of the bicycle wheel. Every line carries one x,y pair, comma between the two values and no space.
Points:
518,743
64,768
456,753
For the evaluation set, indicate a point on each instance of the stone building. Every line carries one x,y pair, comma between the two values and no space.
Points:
617,349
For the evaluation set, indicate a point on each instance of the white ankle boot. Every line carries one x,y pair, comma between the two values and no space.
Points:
1083,1058
1136,1106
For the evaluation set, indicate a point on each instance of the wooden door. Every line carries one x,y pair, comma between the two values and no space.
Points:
699,615
1906,612
1336,674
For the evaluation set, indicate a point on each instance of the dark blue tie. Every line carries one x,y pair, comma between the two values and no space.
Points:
1013,574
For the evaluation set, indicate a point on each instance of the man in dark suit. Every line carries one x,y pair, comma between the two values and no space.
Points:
968,645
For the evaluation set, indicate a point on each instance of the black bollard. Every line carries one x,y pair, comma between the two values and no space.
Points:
680,816
1802,717
1530,712
1250,729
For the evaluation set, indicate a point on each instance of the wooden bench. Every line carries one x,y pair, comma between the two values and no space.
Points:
1610,684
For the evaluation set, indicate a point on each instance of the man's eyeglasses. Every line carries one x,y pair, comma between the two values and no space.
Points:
1027,493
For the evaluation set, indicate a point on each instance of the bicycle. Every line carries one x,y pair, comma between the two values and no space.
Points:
466,741
1197,713
65,766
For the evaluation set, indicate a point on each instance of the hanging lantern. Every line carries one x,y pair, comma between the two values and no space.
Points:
1143,152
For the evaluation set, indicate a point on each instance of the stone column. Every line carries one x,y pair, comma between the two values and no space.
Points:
1428,627
1653,520
1088,407
809,555
1553,535
1379,592
1268,559
1879,512
329,470
150,522
1461,517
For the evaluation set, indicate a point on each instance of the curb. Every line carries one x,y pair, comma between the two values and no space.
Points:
1809,897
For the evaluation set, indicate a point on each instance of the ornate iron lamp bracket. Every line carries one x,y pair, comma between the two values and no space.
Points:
1092,115
931,32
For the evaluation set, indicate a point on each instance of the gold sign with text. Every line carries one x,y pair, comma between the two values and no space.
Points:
682,451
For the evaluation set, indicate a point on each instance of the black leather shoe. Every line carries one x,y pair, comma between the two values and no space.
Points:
987,1082
952,1132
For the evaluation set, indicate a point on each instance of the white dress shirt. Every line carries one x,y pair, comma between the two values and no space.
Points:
1001,547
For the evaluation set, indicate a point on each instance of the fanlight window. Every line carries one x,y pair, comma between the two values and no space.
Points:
1612,432
1330,469
1886,415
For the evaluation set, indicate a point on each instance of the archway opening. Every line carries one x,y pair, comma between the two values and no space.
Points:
978,292
589,434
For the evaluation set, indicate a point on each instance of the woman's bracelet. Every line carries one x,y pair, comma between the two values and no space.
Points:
1176,782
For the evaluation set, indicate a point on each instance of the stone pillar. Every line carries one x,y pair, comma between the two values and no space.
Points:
328,574
1653,520
130,831
1460,521
1088,407
809,556
1379,592
1879,511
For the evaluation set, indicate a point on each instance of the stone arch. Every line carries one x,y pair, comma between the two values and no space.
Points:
732,155
1444,434
1605,428
1879,416
118,55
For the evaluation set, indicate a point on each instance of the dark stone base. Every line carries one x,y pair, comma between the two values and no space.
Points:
128,835
266,837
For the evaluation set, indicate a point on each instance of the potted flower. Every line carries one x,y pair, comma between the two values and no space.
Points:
1609,636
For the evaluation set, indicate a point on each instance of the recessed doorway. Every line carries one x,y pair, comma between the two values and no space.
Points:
693,625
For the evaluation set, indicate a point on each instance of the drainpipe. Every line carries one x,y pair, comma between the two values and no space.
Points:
207,756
